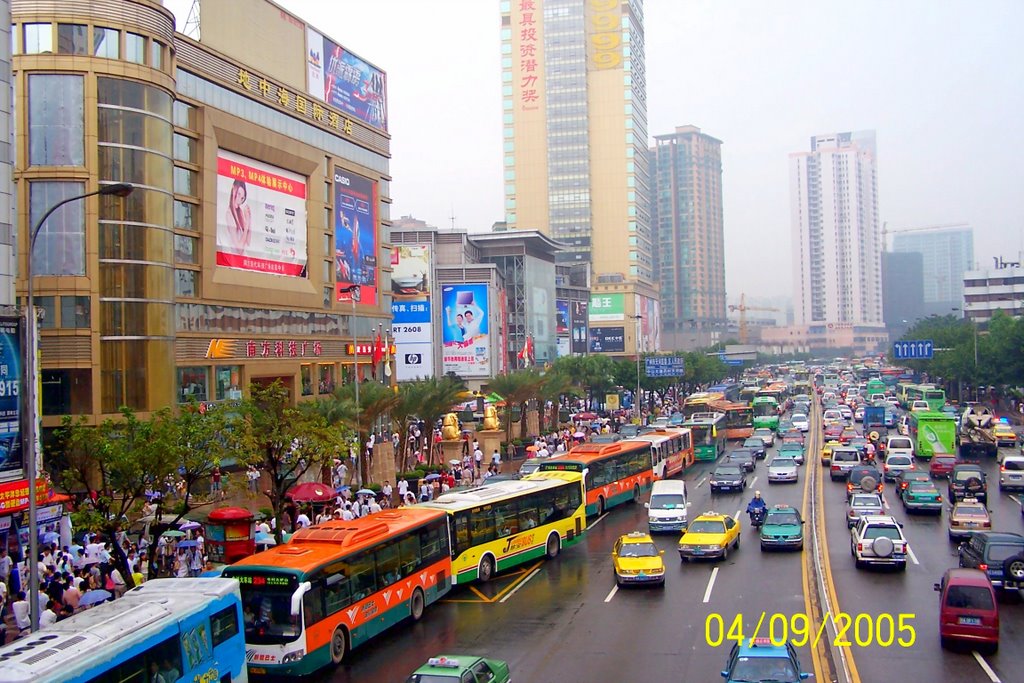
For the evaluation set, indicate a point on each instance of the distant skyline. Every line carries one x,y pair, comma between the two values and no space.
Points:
938,80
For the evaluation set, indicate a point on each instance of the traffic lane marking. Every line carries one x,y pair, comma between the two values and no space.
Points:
518,576
910,552
597,521
985,667
711,585
520,584
611,593
701,482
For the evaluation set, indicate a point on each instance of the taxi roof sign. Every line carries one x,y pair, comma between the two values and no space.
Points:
444,662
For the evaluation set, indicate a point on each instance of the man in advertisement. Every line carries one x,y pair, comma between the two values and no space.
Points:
465,329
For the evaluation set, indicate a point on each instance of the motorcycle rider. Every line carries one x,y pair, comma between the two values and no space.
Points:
757,506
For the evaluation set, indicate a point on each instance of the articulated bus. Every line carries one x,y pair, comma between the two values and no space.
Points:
935,397
185,630
507,523
739,419
614,473
671,451
700,402
338,584
729,390
766,413
708,431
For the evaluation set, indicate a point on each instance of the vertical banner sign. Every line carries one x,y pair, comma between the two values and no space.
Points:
410,310
604,34
261,217
355,235
502,327
530,86
11,459
579,317
562,328
650,324
466,339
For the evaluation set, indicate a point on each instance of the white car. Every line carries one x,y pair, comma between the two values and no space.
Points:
879,539
832,417
858,415
845,411
863,505
800,421
920,407
893,401
782,470
896,463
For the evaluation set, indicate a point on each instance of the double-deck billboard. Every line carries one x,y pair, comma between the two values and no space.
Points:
411,312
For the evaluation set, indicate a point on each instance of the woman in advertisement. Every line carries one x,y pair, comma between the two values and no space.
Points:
239,218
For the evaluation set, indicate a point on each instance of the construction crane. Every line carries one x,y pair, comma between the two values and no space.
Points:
743,308
886,231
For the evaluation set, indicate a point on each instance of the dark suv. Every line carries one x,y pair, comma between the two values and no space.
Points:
864,479
992,552
967,481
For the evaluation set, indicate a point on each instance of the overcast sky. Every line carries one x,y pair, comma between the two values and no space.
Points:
940,81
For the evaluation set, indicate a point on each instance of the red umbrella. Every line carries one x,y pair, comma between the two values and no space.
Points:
311,492
585,416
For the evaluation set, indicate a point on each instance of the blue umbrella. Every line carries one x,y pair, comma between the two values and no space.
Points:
432,477
366,492
341,488
187,544
93,598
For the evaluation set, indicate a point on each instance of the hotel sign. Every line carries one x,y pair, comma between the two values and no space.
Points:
300,104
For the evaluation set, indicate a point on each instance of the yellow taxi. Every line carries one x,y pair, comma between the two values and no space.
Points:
826,451
711,535
1005,436
638,560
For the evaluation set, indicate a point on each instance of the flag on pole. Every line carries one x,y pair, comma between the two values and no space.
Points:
378,350
526,354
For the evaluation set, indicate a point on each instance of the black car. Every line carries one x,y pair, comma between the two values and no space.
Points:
728,478
744,457
864,479
755,444
967,481
993,552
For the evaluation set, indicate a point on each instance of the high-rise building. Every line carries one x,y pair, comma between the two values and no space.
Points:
903,291
946,254
575,138
686,217
837,245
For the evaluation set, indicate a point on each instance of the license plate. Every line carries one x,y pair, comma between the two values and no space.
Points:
641,575
970,621
698,551
257,670
1015,476
971,525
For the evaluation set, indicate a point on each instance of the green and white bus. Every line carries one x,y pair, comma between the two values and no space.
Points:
709,436
933,433
766,413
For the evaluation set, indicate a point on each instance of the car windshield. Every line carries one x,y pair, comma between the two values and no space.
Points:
971,510
782,518
969,597
706,526
883,532
667,501
922,487
897,460
638,550
900,443
1015,465
764,669
799,417
727,472
782,462
752,443
866,502
845,456
267,615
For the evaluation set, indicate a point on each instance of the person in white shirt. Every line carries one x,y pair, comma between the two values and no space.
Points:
346,514
49,616
496,457
302,521
543,452
21,612
374,506
403,488
478,457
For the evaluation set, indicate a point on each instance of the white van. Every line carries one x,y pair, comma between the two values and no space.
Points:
899,445
667,509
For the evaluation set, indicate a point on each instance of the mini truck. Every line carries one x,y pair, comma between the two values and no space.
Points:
977,432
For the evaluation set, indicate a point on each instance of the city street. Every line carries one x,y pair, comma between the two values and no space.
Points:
565,621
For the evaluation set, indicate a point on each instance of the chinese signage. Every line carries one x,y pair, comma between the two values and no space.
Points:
411,311
578,319
607,340
466,331
607,308
14,494
261,217
665,366
531,74
280,348
10,395
295,102
366,349
604,34
355,236
343,80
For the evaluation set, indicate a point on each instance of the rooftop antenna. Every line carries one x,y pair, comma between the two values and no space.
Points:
191,27
452,217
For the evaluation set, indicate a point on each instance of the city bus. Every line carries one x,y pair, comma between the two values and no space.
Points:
766,412
186,629
671,451
708,431
614,473
507,523
700,402
748,393
876,386
935,397
335,586
739,419
730,391
933,433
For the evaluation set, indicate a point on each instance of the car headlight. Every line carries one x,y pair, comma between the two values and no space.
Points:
292,657
712,547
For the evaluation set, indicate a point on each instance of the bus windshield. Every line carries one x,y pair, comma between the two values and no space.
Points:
765,409
266,609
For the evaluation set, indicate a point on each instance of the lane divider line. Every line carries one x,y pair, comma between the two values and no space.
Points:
611,594
1016,500
520,584
753,481
699,483
597,521
822,672
913,557
985,667
711,585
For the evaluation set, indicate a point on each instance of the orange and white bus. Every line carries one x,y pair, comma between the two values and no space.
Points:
336,585
614,473
701,402
739,419
671,450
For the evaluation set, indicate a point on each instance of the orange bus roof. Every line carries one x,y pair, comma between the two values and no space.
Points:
586,452
309,548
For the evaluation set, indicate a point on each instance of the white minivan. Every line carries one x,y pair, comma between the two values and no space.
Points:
899,445
667,509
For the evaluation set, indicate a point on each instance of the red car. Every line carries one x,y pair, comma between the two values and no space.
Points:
968,612
847,434
833,433
942,465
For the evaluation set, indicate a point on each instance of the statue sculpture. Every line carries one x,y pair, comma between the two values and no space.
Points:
450,427
491,418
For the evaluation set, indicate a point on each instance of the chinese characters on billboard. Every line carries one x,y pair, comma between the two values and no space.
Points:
10,395
343,80
261,217
607,339
607,308
411,313
579,327
528,28
355,235
466,338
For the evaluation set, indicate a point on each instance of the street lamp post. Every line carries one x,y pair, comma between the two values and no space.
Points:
31,361
351,291
636,341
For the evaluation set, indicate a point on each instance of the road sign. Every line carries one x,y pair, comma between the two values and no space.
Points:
665,366
733,361
913,349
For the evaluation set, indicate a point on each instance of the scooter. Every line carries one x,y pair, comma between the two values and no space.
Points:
757,517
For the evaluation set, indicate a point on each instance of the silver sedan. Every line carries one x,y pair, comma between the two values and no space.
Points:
782,470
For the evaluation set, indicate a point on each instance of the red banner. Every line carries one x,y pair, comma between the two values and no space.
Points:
259,264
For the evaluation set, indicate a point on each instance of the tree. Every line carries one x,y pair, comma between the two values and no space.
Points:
342,409
117,462
516,388
427,399
287,441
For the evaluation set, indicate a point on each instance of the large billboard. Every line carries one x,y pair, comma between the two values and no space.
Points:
10,396
410,311
355,235
466,339
578,320
607,339
562,317
261,216
649,311
607,308
345,81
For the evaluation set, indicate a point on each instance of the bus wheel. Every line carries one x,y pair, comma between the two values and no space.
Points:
339,646
553,546
416,605
600,506
636,494
486,571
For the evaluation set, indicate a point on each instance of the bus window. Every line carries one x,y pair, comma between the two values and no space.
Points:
336,593
528,516
224,625
313,605
363,580
462,543
409,552
163,658
506,518
604,473
387,564
481,525
434,542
